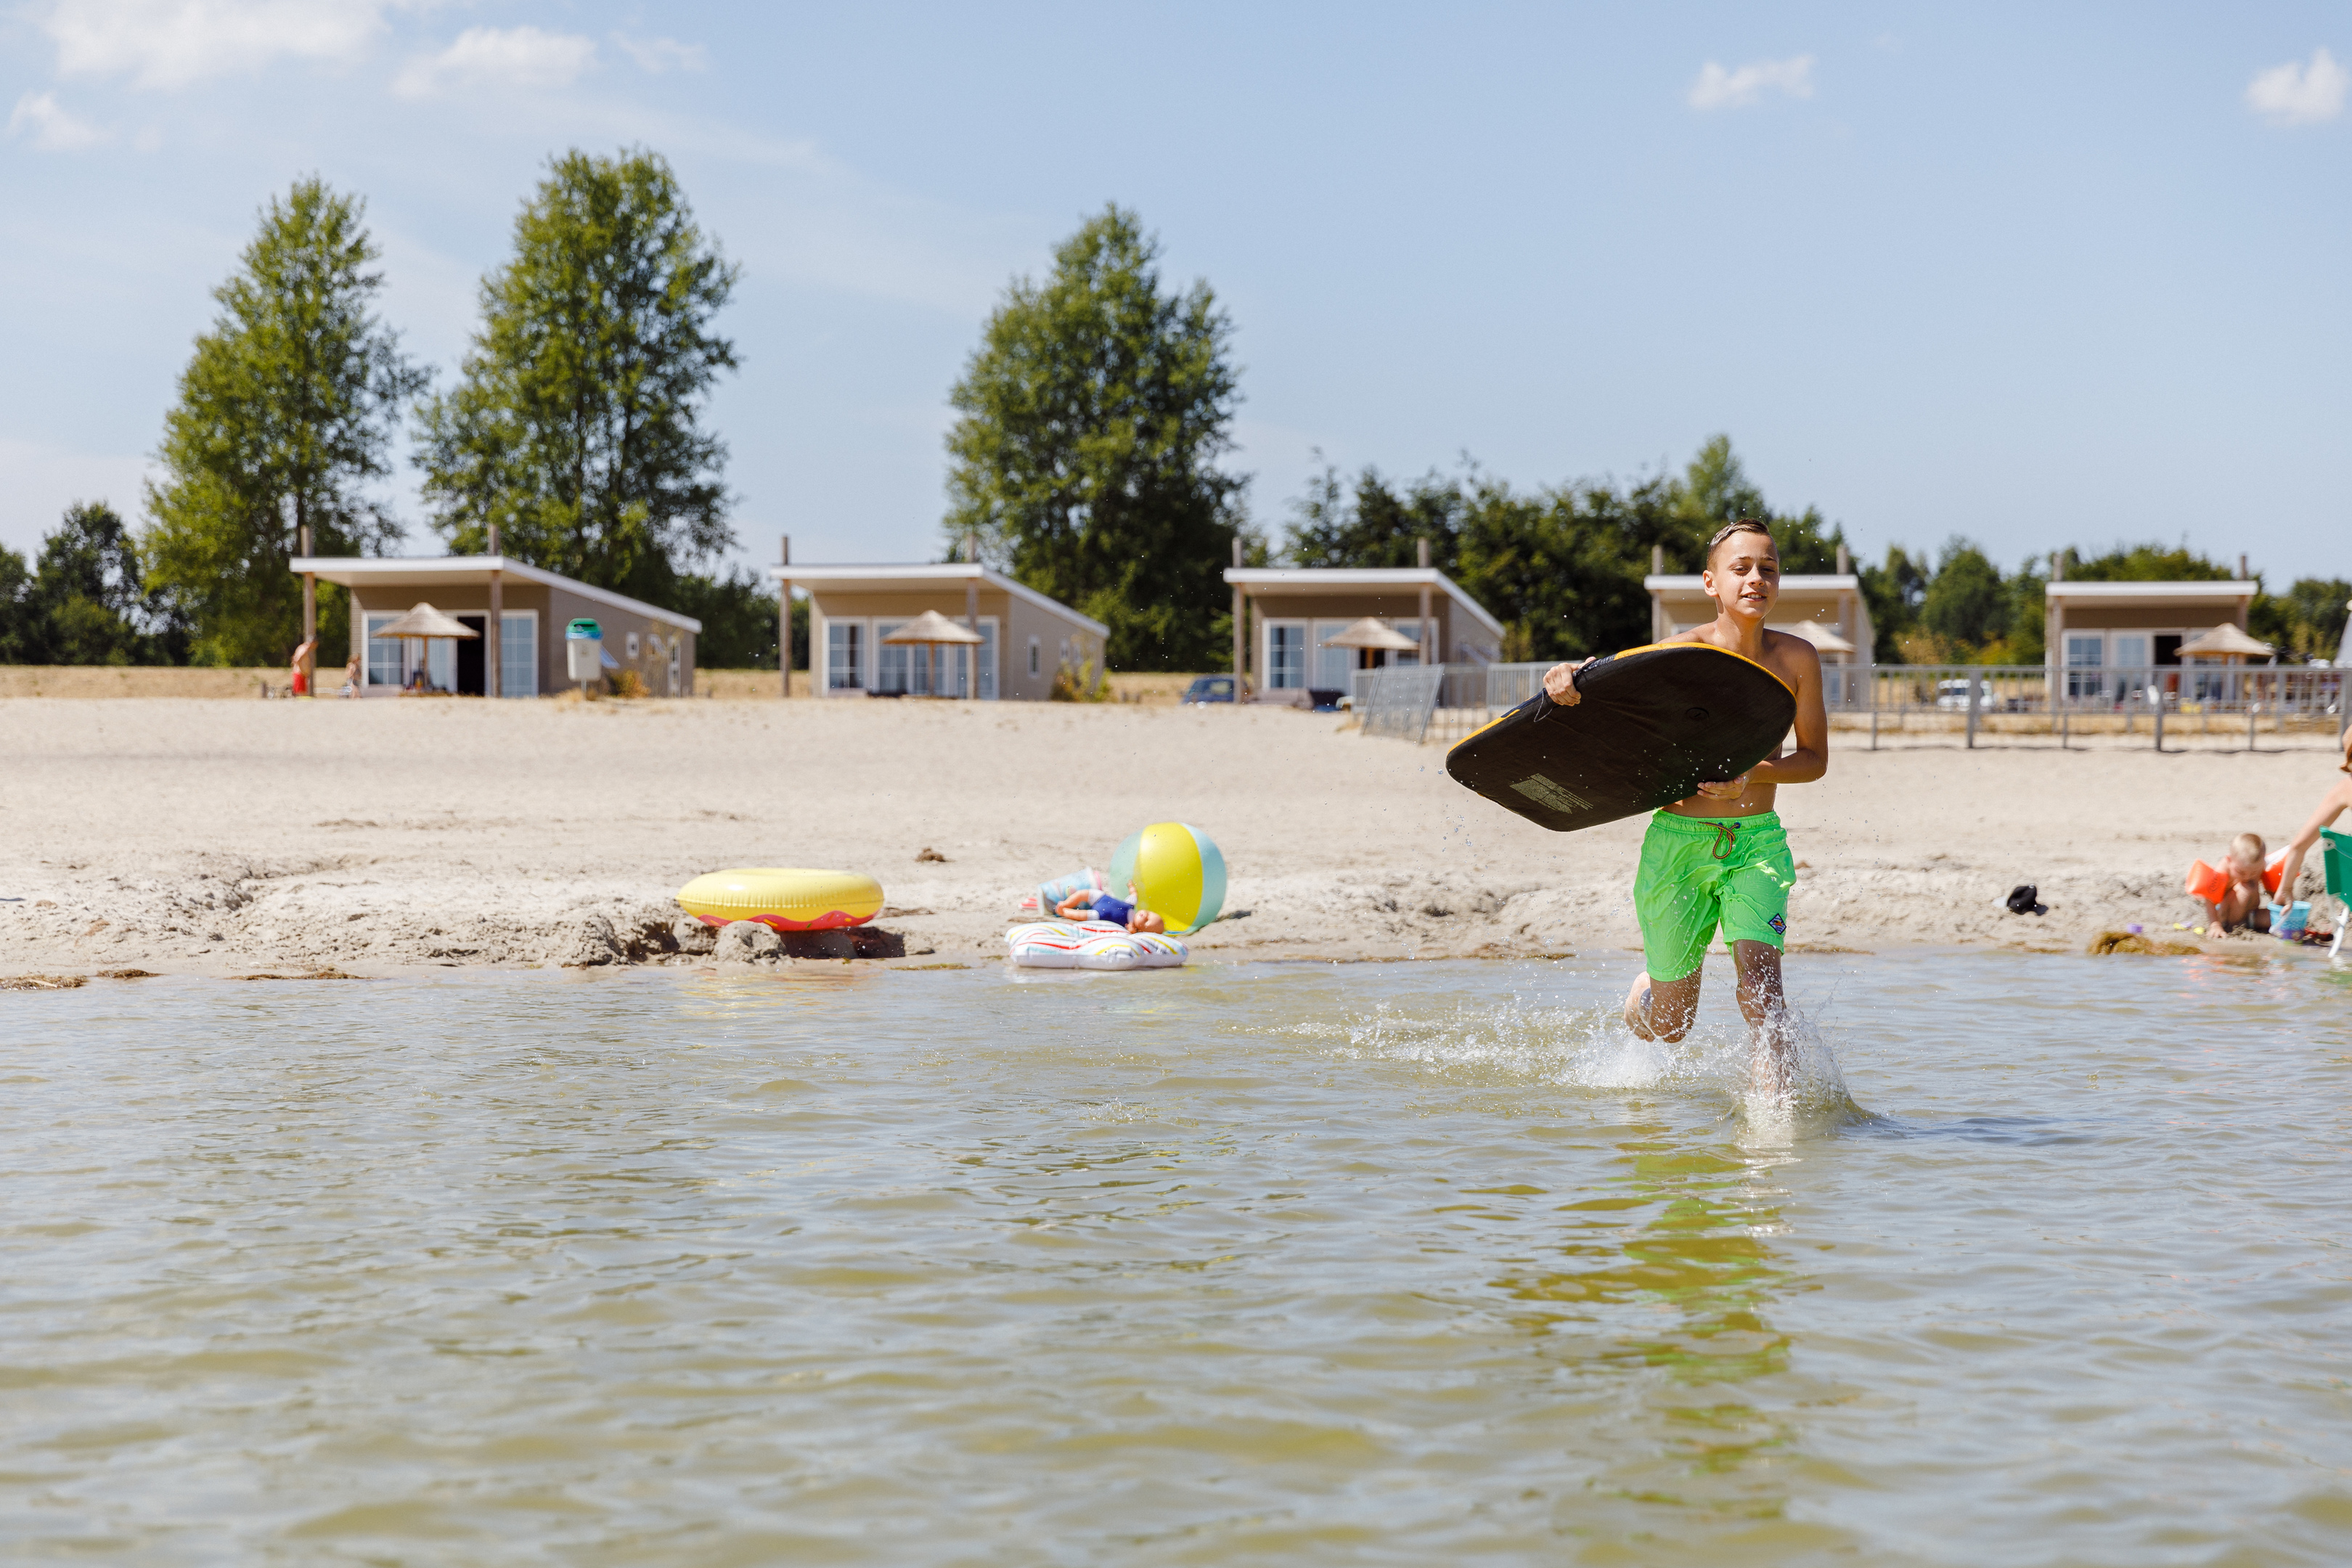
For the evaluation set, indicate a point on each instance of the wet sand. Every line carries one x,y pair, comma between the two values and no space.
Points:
243,836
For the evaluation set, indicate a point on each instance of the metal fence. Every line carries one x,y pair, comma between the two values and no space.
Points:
1980,704
1400,702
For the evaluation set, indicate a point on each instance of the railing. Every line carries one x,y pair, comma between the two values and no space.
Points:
1979,702
1982,700
1400,702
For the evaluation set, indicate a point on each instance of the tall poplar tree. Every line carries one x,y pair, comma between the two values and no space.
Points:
285,414
577,424
1090,420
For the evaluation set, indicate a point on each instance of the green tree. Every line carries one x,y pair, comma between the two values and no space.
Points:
284,412
1379,524
2147,564
1966,603
88,603
2307,622
1562,568
577,424
1715,489
15,583
738,612
1084,453
1894,591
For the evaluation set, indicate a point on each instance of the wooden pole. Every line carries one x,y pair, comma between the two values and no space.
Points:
1241,615
971,620
310,619
494,634
784,621
1421,553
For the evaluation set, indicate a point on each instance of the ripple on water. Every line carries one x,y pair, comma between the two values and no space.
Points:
1282,1264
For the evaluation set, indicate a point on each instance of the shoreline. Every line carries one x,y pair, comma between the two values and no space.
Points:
226,837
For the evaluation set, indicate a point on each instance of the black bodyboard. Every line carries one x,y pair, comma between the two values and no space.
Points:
1648,726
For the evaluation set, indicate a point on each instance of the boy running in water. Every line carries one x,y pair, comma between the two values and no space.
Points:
1721,857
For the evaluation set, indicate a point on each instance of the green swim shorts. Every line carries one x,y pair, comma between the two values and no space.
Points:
1700,872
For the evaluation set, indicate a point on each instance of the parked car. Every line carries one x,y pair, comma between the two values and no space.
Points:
1955,694
1209,689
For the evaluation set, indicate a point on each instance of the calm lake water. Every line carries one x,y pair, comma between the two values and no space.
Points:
1404,1263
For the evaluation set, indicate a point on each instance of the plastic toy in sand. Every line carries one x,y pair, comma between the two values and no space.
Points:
782,899
1177,872
1091,944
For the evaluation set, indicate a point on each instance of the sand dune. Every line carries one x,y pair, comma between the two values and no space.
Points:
230,836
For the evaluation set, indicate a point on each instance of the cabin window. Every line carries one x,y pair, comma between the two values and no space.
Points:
519,654
1286,656
844,647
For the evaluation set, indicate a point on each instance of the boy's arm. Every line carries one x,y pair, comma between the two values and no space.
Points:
1810,760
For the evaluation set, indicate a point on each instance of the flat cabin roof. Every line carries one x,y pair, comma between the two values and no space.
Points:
1791,583
2151,592
853,578
1337,581
426,572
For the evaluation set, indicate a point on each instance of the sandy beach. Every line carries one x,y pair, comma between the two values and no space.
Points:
241,837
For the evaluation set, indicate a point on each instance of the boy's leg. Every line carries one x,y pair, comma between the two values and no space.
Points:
1662,1009
1675,897
1754,923
1766,1008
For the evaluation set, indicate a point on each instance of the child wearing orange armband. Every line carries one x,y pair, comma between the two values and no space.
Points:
2234,897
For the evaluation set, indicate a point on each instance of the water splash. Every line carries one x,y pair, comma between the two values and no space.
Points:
1587,1047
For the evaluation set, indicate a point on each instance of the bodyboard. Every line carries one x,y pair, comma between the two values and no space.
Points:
1649,725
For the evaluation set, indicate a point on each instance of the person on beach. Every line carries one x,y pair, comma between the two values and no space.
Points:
1093,904
2333,804
2242,902
1720,858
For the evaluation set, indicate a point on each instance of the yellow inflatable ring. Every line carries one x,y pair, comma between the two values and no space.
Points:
784,899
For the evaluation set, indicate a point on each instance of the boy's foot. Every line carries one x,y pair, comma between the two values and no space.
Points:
1637,1007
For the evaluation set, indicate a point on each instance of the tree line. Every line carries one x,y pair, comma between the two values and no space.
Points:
1084,462
1084,459
1562,567
575,426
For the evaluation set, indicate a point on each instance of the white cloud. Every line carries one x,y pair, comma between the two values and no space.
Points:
659,55
2295,94
522,58
53,129
1719,89
170,43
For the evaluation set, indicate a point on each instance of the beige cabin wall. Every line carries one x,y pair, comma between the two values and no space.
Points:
1017,620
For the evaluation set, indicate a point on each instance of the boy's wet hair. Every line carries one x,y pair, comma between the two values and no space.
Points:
1742,525
2249,848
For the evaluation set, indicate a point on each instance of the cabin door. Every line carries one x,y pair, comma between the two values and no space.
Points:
469,656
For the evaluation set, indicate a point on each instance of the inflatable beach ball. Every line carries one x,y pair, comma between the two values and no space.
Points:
1177,872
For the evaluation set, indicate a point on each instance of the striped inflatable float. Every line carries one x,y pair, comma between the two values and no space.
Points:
1091,944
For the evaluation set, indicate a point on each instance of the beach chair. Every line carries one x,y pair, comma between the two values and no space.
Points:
2335,867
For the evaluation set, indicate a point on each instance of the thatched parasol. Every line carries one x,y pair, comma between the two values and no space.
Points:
2225,641
1820,637
425,622
1371,633
932,628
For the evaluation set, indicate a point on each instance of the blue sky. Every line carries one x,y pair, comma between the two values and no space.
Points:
2033,274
